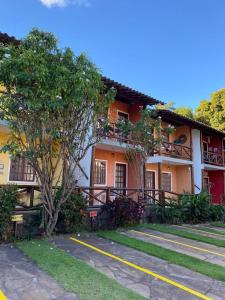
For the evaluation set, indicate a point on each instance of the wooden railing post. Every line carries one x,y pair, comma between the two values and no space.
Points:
107,195
31,197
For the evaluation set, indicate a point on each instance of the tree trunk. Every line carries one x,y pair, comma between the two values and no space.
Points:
52,223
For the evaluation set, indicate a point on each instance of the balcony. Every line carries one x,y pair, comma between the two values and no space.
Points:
213,158
113,133
176,150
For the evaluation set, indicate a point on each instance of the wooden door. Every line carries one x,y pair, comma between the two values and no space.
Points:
121,176
150,184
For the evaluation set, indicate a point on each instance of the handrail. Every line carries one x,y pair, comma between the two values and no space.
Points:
214,158
176,150
114,133
167,148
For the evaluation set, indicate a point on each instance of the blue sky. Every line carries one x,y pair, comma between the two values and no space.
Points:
173,50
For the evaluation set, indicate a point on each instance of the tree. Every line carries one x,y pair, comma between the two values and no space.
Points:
52,99
203,112
146,134
185,111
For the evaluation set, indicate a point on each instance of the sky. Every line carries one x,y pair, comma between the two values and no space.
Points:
173,50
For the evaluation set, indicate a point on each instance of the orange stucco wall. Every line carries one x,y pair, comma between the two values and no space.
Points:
181,176
133,111
179,130
134,177
111,158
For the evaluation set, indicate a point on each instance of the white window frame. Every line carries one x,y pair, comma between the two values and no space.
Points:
106,170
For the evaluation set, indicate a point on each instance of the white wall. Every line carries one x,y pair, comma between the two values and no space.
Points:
197,163
85,163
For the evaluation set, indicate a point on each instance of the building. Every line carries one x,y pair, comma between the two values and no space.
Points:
188,160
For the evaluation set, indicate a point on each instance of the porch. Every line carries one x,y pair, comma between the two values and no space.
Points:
173,179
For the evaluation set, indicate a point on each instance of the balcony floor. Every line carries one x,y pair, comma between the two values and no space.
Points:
168,160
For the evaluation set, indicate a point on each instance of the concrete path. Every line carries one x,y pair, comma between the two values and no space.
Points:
215,256
196,230
20,279
146,285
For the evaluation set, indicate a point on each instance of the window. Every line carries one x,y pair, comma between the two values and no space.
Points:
206,184
21,170
166,182
122,117
100,172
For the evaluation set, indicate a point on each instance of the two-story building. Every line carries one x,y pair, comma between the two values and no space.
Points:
189,159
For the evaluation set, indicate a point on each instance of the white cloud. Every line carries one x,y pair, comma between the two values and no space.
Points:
63,3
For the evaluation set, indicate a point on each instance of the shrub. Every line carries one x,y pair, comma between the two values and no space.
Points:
196,208
121,212
7,206
217,213
191,209
72,213
171,214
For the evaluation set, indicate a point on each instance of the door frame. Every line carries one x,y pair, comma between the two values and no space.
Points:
153,171
171,177
121,163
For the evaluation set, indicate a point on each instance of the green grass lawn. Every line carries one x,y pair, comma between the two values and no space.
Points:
218,224
184,234
75,275
207,229
192,263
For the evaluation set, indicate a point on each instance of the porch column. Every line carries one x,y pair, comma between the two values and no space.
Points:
192,180
159,168
91,202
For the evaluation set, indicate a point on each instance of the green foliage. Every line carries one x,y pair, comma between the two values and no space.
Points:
185,111
190,209
121,212
202,112
72,214
7,206
171,214
210,112
143,130
198,208
52,100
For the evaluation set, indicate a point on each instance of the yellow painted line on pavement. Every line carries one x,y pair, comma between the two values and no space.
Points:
178,243
2,296
195,229
144,270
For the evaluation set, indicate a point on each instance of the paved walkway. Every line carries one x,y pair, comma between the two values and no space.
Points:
196,230
214,257
20,279
144,284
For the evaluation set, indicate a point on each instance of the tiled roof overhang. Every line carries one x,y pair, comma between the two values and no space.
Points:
176,119
6,39
129,95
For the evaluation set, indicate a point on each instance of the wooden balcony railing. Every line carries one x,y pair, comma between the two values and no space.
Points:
176,150
213,158
97,196
112,132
